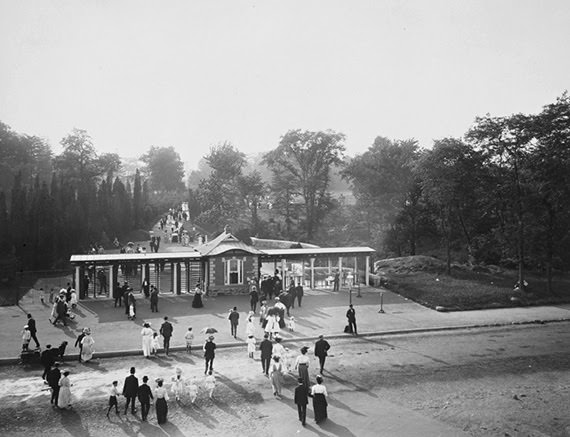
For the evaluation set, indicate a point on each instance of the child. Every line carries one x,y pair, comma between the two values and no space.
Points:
210,384
42,296
73,300
178,384
193,390
154,346
250,345
26,337
189,336
113,393
291,324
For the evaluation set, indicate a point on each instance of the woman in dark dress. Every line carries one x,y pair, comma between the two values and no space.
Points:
319,395
161,404
197,301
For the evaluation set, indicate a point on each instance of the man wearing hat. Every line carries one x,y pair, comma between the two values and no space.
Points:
53,377
266,348
301,399
321,351
130,391
209,353
144,394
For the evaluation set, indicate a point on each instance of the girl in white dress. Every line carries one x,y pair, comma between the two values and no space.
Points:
250,346
210,383
154,345
193,390
178,384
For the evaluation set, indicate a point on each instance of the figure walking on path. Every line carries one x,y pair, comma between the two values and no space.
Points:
113,402
276,376
321,351
351,316
47,358
64,397
234,321
319,395
189,337
161,402
147,334
166,332
78,342
178,384
209,353
266,348
33,330
253,298
53,377
130,391
153,299
144,394
210,384
302,364
87,348
301,399
300,294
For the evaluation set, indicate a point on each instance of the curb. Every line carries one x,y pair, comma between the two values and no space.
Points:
135,352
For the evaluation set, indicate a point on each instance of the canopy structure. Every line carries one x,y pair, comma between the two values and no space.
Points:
224,265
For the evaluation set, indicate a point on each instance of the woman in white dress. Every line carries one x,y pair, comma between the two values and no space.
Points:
272,326
147,333
87,348
64,398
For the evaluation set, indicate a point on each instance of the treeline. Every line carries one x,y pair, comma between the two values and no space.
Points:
500,195
54,205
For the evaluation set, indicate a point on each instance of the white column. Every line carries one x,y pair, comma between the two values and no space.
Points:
330,266
112,280
283,273
355,274
174,267
367,274
303,273
340,271
312,284
77,280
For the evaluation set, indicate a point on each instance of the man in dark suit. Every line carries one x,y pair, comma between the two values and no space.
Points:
321,351
33,330
351,317
130,391
209,353
300,293
53,377
266,348
234,321
166,332
47,359
145,395
302,399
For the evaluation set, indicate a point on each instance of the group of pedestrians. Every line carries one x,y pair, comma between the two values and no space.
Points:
150,343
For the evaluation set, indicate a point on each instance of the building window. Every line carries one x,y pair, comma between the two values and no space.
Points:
234,272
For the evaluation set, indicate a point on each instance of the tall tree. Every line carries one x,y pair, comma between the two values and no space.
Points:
385,184
251,188
165,168
78,162
137,201
450,174
507,142
306,158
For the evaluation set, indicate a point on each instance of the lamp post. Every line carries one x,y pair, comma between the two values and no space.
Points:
350,280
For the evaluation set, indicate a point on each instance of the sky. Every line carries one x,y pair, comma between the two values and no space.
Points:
192,74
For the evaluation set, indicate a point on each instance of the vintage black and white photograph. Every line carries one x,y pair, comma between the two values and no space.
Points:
317,218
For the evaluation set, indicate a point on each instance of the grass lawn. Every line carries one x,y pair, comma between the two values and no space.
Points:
468,290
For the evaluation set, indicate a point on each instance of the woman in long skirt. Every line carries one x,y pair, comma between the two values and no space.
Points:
302,364
319,395
161,402
64,398
197,301
276,376
87,349
146,334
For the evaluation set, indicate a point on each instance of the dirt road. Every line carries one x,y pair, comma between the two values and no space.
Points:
490,382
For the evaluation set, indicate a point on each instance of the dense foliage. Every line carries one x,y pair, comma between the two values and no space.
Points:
53,206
